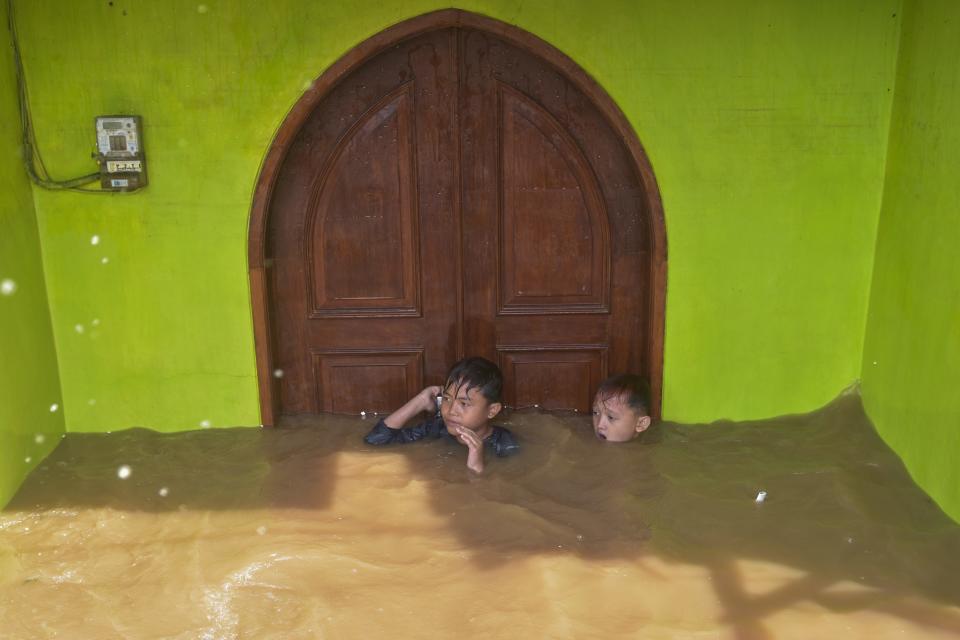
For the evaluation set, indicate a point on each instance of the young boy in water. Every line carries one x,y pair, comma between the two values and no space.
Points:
621,408
470,399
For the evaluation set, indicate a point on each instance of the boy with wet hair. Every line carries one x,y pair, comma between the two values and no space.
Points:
621,408
469,399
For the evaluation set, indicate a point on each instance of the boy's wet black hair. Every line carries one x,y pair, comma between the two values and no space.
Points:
477,373
634,390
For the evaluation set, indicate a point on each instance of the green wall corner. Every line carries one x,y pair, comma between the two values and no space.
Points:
29,379
911,361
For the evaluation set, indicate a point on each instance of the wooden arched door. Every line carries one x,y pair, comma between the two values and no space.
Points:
456,188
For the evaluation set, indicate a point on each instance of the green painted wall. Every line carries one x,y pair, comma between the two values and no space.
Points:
29,383
911,362
766,123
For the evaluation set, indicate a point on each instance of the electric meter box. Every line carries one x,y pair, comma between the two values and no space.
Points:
120,155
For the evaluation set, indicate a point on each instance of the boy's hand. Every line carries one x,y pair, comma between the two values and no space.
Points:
428,397
474,448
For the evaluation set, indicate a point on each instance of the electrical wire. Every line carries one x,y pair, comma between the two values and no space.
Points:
32,159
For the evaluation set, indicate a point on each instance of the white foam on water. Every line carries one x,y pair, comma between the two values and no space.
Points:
68,576
224,621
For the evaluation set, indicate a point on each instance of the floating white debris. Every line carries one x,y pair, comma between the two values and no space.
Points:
278,373
104,260
164,492
54,407
761,497
363,414
123,472
95,322
8,287
261,530
39,438
95,240
205,424
28,459
78,328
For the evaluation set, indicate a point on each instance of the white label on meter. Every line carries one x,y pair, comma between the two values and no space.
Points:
122,166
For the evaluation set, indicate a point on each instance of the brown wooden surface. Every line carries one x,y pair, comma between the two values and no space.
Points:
554,238
454,186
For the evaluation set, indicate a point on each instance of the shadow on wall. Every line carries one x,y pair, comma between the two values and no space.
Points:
840,506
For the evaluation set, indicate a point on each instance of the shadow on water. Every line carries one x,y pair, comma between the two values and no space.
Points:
840,506
215,469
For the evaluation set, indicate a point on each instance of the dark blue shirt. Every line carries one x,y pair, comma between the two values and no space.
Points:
501,442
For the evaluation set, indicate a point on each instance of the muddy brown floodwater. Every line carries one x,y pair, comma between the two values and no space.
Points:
305,532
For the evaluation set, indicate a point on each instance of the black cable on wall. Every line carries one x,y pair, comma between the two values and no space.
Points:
32,159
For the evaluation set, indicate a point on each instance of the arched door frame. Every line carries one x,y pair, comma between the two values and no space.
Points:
444,19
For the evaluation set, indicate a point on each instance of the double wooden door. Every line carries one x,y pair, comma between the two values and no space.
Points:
455,195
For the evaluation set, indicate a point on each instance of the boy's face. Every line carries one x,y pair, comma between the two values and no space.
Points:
615,421
462,407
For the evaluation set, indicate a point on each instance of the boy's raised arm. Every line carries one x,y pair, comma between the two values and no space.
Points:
423,401
390,429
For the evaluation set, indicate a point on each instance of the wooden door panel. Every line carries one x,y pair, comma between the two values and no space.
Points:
538,152
374,382
363,255
365,189
552,206
552,377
